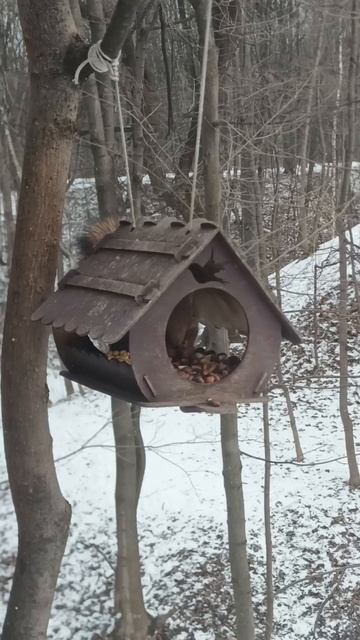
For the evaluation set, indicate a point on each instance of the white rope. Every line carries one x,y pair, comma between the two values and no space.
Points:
126,157
98,61
101,63
201,109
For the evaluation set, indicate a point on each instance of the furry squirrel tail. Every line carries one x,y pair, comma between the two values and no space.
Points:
90,241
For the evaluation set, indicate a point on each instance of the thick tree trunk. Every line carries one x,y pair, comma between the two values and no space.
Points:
42,513
54,50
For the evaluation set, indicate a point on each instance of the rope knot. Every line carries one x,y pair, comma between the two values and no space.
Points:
99,62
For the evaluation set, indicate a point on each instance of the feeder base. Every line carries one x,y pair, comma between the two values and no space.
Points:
138,398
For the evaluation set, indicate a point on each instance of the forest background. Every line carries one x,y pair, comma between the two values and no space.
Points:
279,171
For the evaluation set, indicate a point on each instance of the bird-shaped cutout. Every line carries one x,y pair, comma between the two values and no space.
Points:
208,272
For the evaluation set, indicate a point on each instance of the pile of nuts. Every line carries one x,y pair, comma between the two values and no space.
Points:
205,366
201,365
119,356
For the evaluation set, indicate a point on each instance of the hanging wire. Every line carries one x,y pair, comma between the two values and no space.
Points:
201,110
101,63
125,153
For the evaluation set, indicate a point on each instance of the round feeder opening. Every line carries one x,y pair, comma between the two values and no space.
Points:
196,328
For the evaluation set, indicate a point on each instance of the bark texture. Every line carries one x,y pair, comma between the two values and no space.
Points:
43,514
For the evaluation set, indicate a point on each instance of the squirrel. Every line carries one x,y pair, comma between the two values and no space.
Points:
90,241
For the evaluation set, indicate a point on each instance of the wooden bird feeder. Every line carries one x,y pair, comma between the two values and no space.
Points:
147,295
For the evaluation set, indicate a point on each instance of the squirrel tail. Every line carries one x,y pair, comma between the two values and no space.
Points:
90,241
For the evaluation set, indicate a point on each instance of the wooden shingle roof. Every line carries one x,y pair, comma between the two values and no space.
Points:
114,287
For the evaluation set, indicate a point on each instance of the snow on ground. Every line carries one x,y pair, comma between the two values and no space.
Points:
182,515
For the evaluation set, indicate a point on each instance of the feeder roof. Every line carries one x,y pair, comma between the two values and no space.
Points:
114,287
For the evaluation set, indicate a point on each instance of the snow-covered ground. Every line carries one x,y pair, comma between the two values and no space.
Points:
182,516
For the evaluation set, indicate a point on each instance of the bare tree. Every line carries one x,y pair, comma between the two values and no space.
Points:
130,452
6,189
304,151
229,429
100,108
267,521
354,475
42,512
130,466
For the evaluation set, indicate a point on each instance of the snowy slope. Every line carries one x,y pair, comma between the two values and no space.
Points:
182,517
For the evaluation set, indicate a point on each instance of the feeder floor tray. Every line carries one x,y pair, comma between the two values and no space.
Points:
139,399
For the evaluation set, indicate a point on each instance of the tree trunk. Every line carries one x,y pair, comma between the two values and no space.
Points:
105,90
249,234
210,130
130,452
137,126
130,466
285,389
69,387
43,514
303,223
334,133
10,148
229,430
275,259
8,209
232,470
354,476
103,166
267,519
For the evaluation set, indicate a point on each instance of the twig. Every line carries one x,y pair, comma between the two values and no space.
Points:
84,446
88,545
341,573
313,577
